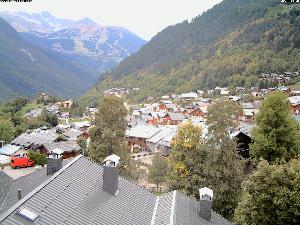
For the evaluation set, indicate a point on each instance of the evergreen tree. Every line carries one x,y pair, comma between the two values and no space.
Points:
276,134
271,196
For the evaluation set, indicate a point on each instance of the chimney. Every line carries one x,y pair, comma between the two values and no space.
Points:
111,174
54,163
206,197
19,194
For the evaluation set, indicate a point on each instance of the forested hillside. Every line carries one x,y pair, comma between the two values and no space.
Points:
227,45
26,69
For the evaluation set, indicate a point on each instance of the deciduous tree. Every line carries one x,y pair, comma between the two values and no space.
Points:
271,196
6,130
158,170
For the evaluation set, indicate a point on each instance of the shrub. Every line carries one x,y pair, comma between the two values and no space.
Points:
38,158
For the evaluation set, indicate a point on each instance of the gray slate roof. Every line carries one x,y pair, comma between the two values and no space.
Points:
9,187
178,209
37,138
177,116
74,195
65,146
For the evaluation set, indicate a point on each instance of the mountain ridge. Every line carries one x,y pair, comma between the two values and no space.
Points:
26,69
83,42
235,39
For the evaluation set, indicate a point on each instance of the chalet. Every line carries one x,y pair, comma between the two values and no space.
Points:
153,142
136,137
234,98
249,115
9,149
161,106
36,138
83,125
85,192
73,134
67,104
243,140
295,103
173,118
65,115
193,112
189,96
66,148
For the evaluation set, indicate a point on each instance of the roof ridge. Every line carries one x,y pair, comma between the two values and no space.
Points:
29,195
154,211
173,208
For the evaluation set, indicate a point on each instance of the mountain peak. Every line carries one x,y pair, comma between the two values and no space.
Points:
86,21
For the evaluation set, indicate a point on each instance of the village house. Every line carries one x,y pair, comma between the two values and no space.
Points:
66,104
36,138
154,142
295,103
65,115
243,140
195,111
65,148
136,137
173,118
248,115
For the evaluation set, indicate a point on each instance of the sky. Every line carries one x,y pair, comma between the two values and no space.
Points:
143,17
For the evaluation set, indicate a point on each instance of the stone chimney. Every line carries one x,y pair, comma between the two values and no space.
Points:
111,174
54,163
206,197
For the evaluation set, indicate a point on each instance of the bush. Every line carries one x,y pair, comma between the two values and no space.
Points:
38,158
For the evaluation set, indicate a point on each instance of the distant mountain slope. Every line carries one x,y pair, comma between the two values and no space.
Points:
26,69
84,42
229,44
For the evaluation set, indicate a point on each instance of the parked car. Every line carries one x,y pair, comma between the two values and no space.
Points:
18,161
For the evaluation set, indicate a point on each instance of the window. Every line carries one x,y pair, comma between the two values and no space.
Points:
27,214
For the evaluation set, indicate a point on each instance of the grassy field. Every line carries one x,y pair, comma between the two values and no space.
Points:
30,106
295,87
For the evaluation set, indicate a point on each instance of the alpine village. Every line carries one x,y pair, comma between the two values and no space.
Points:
198,125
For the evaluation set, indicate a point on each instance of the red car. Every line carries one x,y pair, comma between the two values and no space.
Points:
18,161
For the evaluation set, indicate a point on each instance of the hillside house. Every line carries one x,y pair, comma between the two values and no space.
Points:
173,118
136,137
153,142
248,115
66,148
295,103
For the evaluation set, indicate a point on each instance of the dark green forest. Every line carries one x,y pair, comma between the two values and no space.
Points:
229,44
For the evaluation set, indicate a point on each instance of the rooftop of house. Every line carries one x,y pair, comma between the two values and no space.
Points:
76,195
64,146
9,187
72,133
176,116
9,149
37,137
142,131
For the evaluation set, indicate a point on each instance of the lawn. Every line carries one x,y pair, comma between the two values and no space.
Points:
30,106
295,87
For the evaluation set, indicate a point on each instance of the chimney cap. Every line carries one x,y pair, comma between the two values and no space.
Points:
111,160
205,192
